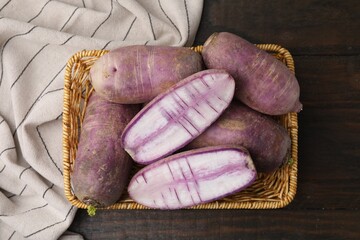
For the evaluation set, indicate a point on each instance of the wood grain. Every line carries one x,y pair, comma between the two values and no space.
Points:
219,224
330,122
327,27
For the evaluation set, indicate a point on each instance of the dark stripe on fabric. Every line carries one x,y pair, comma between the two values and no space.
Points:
43,90
6,150
177,29
49,226
69,18
3,168
146,42
152,29
2,50
2,121
47,190
131,25
24,171
55,90
83,92
188,20
39,12
5,5
37,99
27,65
83,3
21,192
47,150
107,44
35,208
104,20
59,116
67,40
11,235
4,215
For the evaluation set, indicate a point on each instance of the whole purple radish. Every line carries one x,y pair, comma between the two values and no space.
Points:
136,74
102,167
267,141
175,117
193,177
262,82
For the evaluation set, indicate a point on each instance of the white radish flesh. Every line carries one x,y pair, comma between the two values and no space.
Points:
177,116
193,177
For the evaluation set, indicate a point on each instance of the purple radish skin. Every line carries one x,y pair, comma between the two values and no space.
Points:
136,74
262,82
267,141
193,177
102,167
175,117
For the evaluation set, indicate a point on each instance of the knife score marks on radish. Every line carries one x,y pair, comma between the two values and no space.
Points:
175,117
190,178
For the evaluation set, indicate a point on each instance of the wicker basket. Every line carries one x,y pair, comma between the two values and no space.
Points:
273,190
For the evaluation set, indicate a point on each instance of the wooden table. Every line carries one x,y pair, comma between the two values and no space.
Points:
324,39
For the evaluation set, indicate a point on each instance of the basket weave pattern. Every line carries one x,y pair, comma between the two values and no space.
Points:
274,190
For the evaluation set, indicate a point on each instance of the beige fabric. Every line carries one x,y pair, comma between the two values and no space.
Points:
37,37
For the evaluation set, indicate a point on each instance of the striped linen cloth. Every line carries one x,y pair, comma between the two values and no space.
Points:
37,38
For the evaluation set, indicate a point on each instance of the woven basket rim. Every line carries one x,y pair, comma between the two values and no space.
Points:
251,204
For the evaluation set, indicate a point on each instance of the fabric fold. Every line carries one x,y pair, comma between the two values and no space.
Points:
37,39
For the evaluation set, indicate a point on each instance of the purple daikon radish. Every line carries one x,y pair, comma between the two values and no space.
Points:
193,177
267,141
175,117
136,74
102,167
262,82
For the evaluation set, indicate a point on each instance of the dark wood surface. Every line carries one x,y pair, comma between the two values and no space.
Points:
324,39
